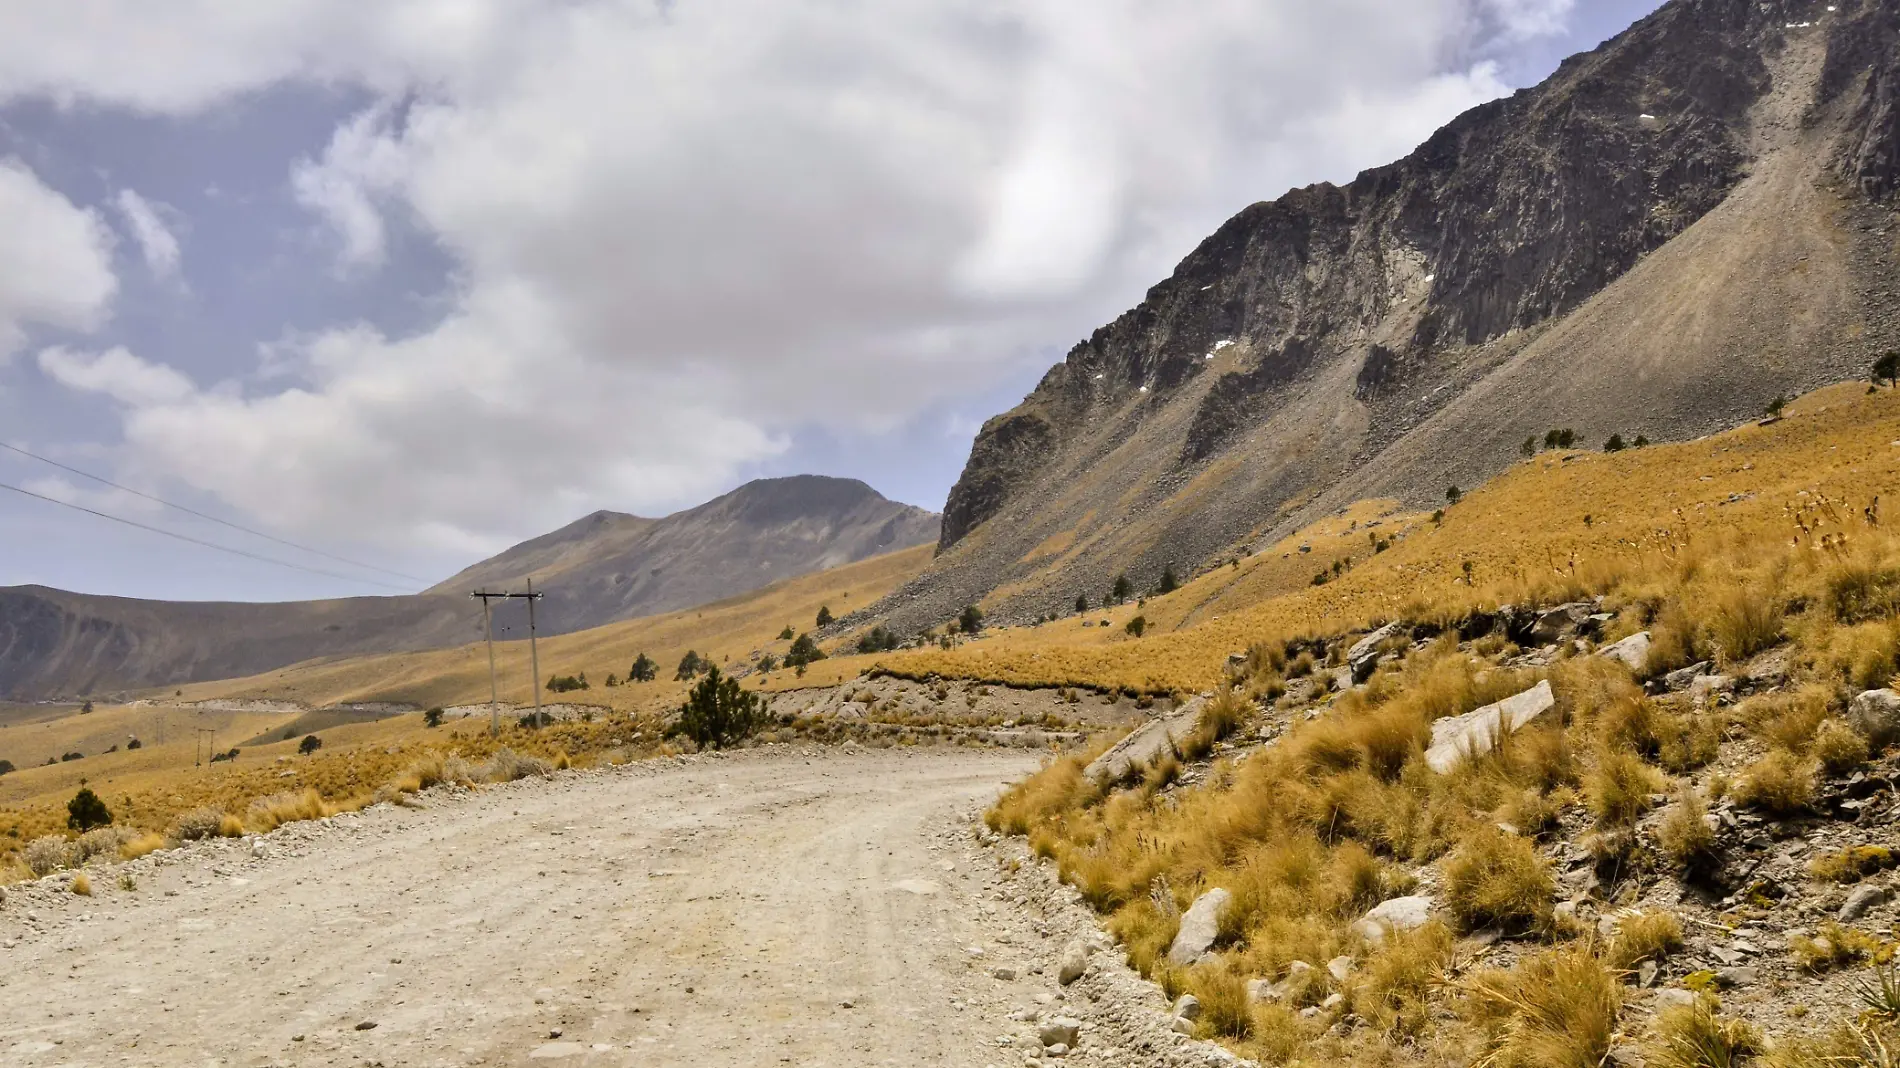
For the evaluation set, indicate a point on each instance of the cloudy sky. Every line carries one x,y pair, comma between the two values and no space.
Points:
407,282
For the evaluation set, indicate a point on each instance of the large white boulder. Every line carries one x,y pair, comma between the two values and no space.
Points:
1363,657
1456,739
1877,714
1394,914
1200,925
1632,652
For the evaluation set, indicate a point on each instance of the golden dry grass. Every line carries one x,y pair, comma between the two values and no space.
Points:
1801,483
732,632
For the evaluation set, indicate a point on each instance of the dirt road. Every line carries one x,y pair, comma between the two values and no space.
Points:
804,908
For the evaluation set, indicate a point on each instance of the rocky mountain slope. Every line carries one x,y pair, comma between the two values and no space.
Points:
1660,239
604,568
611,566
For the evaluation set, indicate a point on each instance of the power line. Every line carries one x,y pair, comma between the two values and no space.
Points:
195,541
212,518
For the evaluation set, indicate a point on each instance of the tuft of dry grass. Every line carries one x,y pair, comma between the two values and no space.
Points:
1781,784
1840,748
82,885
1685,837
141,846
1694,1036
1498,880
1642,936
1618,788
1834,945
1556,1009
1852,864
266,814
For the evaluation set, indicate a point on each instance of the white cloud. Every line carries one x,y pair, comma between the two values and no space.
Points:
156,241
116,373
55,260
362,163
682,231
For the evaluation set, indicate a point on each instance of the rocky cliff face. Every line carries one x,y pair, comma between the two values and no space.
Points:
1338,339
603,568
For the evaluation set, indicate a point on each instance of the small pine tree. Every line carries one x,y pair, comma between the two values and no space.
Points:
1640,442
690,665
1137,626
1529,448
1081,603
1887,368
643,669
970,620
804,651
1776,407
1122,589
85,811
1454,494
613,681
718,713
767,663
310,744
1551,438
6,767
1169,582
85,708
432,718
824,615
1615,444
786,635
1438,518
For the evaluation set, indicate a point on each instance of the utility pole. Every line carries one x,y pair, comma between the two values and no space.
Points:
488,627
534,653
494,691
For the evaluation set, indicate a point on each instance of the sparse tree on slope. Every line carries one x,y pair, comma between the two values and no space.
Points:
719,713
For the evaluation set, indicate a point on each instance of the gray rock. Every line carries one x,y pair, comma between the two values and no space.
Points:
1182,1026
1705,687
1340,968
1863,897
1646,973
1738,976
1200,925
1394,914
1060,1049
1187,1007
1140,749
1005,974
1682,678
1458,738
1562,623
1259,990
1363,657
1061,1030
1632,652
1674,995
1876,713
1073,962
1332,1002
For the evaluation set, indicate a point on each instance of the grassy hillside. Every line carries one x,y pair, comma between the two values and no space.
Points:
1652,868
730,632
1560,521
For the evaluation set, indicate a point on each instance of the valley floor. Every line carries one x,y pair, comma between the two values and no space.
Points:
787,905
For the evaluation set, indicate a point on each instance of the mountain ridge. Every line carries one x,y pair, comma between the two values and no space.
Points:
602,568
1404,333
